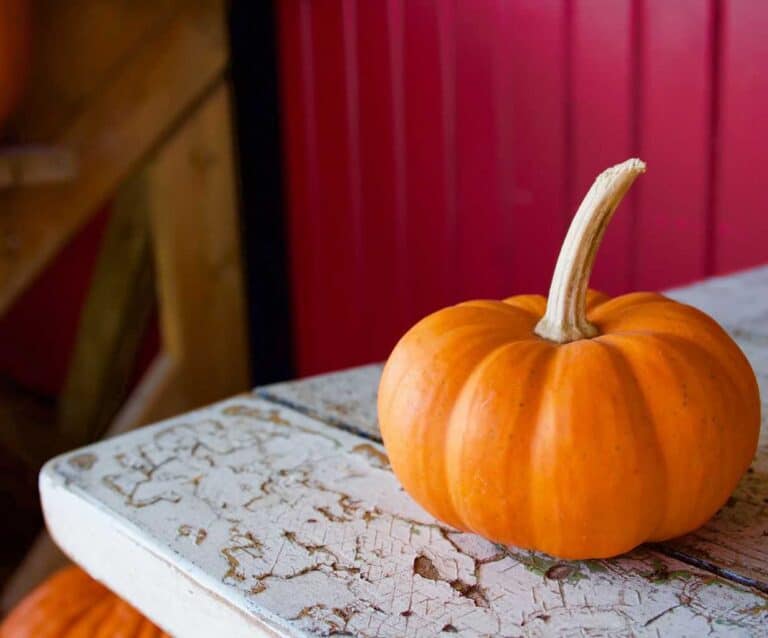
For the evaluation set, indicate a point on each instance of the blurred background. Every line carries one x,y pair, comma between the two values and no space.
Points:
201,196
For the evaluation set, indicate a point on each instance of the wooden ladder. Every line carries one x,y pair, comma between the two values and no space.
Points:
131,103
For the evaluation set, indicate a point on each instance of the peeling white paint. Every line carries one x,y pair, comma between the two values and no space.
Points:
290,519
250,518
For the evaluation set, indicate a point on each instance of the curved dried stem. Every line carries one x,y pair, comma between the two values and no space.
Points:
566,316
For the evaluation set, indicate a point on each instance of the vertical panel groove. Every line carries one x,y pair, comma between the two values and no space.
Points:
396,17
601,87
437,150
675,123
742,128
481,248
447,42
351,70
307,345
716,31
636,80
532,135
568,113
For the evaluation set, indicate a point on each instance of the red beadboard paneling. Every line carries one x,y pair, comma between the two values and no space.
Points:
741,221
430,231
602,123
385,269
337,229
481,258
675,98
436,150
324,209
297,107
532,74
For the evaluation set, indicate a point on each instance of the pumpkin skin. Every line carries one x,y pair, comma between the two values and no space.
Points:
70,604
14,53
583,449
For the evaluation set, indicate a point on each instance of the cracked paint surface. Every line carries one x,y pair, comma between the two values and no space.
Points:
298,519
306,522
736,539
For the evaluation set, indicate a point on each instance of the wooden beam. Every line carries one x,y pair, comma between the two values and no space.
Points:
113,320
34,165
79,46
195,228
188,191
140,106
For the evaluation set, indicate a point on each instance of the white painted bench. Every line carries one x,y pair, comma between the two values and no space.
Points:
275,513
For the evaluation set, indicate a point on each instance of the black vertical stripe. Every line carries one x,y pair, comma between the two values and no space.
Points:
253,42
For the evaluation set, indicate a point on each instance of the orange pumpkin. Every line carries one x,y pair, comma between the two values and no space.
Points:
578,425
14,53
71,604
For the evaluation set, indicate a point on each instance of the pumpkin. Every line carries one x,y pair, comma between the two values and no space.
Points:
14,53
70,604
577,425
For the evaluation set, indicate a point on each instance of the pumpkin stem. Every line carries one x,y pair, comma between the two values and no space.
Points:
566,316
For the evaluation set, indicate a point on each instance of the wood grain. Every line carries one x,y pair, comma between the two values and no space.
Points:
195,233
106,35
22,166
733,541
253,518
113,320
120,124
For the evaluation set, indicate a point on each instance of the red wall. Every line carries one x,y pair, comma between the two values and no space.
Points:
436,150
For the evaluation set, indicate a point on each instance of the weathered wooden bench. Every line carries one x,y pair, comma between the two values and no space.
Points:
275,513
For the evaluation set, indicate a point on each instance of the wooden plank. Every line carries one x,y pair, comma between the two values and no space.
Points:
733,541
33,165
674,121
740,195
345,399
112,324
251,519
602,114
106,36
195,231
188,190
113,321
119,126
